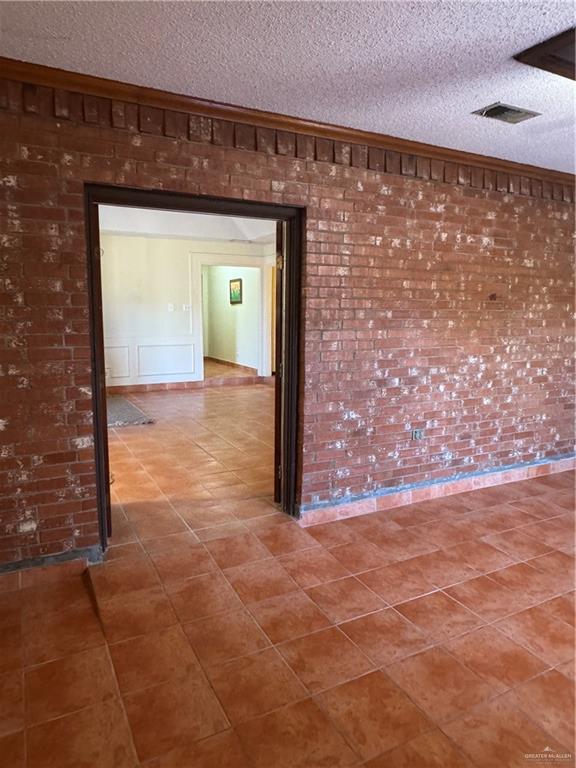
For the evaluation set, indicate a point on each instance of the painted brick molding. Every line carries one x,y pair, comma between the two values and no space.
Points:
436,296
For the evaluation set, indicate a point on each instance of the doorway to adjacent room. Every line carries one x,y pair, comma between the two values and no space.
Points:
194,319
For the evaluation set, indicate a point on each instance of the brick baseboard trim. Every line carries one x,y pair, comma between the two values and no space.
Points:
391,499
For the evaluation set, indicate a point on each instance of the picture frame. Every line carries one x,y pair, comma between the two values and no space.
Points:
235,291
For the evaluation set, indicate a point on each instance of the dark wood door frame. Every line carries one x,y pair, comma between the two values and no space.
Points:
289,263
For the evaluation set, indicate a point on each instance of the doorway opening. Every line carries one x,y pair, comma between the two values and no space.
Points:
195,337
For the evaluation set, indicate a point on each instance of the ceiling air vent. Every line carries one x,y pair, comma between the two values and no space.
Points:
506,113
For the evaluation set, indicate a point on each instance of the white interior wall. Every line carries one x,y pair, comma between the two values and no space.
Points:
233,331
152,305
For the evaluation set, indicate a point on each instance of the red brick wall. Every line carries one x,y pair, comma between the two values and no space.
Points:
436,296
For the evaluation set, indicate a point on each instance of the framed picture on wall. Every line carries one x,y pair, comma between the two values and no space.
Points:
236,291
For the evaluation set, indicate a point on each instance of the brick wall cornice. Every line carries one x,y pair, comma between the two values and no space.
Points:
54,93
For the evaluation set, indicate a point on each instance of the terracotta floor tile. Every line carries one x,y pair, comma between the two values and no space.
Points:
545,636
373,713
549,700
345,599
220,480
255,684
136,613
170,542
282,539
11,644
480,555
166,716
332,534
447,506
202,596
58,634
430,750
9,581
118,577
257,581
479,523
176,565
529,585
496,658
563,500
56,596
285,617
556,562
124,532
358,556
411,515
445,568
225,636
237,491
118,551
11,702
568,669
444,533
503,517
297,736
439,683
263,522
95,736
559,566
154,526
526,488
497,734
438,616
559,481
311,567
223,750
541,507
199,518
152,659
485,596
237,550
401,545
325,659
555,532
12,749
517,545
385,636
359,523
178,720
231,530
252,509
63,686
143,500
399,582
50,574
562,608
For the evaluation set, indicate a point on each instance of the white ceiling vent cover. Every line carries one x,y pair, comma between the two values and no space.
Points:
506,113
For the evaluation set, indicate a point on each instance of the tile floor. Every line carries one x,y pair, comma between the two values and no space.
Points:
220,634
216,370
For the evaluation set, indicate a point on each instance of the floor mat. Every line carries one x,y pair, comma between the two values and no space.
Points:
122,413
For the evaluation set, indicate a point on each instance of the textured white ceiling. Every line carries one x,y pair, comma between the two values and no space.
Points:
409,69
197,226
